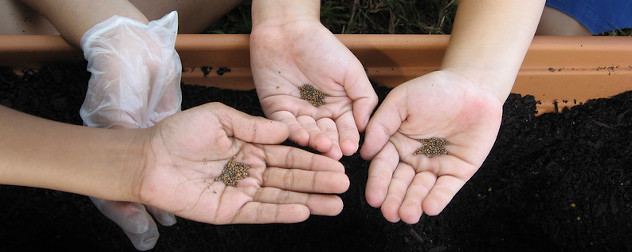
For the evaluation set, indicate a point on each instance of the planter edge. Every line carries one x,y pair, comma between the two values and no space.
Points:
558,71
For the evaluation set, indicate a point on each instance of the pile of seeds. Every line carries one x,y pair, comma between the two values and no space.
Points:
312,95
432,147
233,172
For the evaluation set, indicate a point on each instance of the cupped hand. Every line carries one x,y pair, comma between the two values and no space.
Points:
186,155
444,105
287,56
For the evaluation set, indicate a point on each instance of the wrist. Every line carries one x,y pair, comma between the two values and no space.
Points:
116,166
102,163
140,162
281,12
485,79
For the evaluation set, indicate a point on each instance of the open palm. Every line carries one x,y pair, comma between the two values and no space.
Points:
440,104
285,57
188,151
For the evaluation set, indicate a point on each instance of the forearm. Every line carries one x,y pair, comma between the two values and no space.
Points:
279,12
73,18
490,39
41,153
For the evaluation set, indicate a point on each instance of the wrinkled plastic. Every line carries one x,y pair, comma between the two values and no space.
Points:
135,83
135,71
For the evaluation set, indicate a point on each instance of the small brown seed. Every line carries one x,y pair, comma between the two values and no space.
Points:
432,147
312,95
233,172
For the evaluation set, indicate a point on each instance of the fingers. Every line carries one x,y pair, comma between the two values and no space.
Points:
407,188
294,158
348,134
305,181
317,139
262,213
253,129
411,208
428,194
145,240
405,193
293,174
380,174
295,184
396,187
359,89
328,129
163,217
384,123
129,216
133,219
305,131
297,133
333,139
362,109
442,193
298,170
402,177
327,205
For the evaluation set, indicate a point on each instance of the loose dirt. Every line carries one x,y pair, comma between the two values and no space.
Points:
557,182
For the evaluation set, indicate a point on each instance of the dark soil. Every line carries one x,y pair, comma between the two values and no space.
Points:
557,182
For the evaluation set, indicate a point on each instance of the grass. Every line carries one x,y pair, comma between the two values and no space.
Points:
363,17
371,17
389,16
237,21
622,32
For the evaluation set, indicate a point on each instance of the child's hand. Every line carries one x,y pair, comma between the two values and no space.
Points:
187,153
442,105
284,58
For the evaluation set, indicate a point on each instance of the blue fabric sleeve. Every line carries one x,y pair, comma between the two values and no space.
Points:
597,15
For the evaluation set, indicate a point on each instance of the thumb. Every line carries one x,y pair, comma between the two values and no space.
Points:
384,123
361,92
253,129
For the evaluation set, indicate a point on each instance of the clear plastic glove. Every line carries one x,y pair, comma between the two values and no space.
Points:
135,83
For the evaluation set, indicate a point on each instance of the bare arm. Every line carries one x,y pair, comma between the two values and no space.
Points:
46,154
289,47
490,39
283,11
176,165
73,18
461,104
